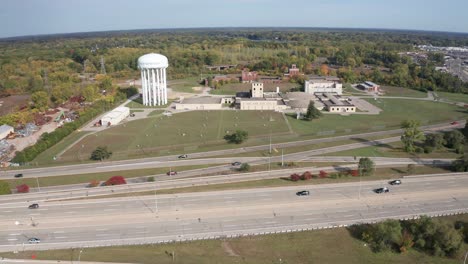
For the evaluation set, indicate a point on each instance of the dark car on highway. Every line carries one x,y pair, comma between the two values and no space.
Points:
382,190
184,156
302,193
33,206
19,175
171,173
395,182
236,163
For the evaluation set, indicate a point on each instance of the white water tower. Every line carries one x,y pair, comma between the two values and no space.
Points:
153,78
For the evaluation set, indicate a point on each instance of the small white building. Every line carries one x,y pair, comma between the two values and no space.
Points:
115,116
323,85
5,130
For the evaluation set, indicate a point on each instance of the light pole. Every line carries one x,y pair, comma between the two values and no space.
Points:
38,186
79,256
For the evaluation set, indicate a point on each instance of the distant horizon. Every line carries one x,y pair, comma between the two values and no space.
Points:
45,17
64,34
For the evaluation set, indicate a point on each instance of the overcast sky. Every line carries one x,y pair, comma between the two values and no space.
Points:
32,17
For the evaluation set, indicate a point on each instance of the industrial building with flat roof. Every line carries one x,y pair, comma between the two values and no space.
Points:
322,84
336,104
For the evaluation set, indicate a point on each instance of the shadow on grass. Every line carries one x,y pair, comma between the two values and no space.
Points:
399,171
371,143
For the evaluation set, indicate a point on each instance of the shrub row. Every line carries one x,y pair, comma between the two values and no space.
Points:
323,174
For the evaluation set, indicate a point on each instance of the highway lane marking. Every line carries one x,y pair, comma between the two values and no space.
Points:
34,214
102,229
105,234
12,239
14,234
60,237
71,212
59,232
8,211
109,210
140,232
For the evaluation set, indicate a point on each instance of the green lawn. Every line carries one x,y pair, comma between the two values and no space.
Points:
184,132
395,150
394,112
403,92
456,97
320,246
204,130
233,88
185,85
46,157
101,176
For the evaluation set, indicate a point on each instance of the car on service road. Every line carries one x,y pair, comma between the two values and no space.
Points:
395,182
237,163
19,175
171,173
382,190
33,206
303,193
34,240
184,156
454,123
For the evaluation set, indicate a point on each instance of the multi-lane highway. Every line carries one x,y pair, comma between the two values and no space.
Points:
158,218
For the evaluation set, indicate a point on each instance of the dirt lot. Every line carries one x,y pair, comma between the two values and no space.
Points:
10,103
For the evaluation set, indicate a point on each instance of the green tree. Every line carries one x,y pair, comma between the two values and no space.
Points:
312,112
435,141
366,166
411,134
435,236
4,188
40,100
237,137
244,167
383,236
454,139
465,129
100,153
461,164
90,93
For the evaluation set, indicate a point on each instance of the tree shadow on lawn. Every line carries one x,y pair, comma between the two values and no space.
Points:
370,143
399,171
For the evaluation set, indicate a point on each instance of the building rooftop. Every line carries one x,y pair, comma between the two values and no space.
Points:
202,100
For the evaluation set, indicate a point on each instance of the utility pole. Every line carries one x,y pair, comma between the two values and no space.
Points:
103,66
282,158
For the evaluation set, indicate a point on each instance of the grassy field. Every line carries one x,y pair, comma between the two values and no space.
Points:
187,131
47,156
101,176
394,112
456,97
403,92
233,88
185,85
395,150
204,130
320,246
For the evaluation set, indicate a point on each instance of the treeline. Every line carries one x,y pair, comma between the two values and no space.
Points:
434,236
47,140
55,63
